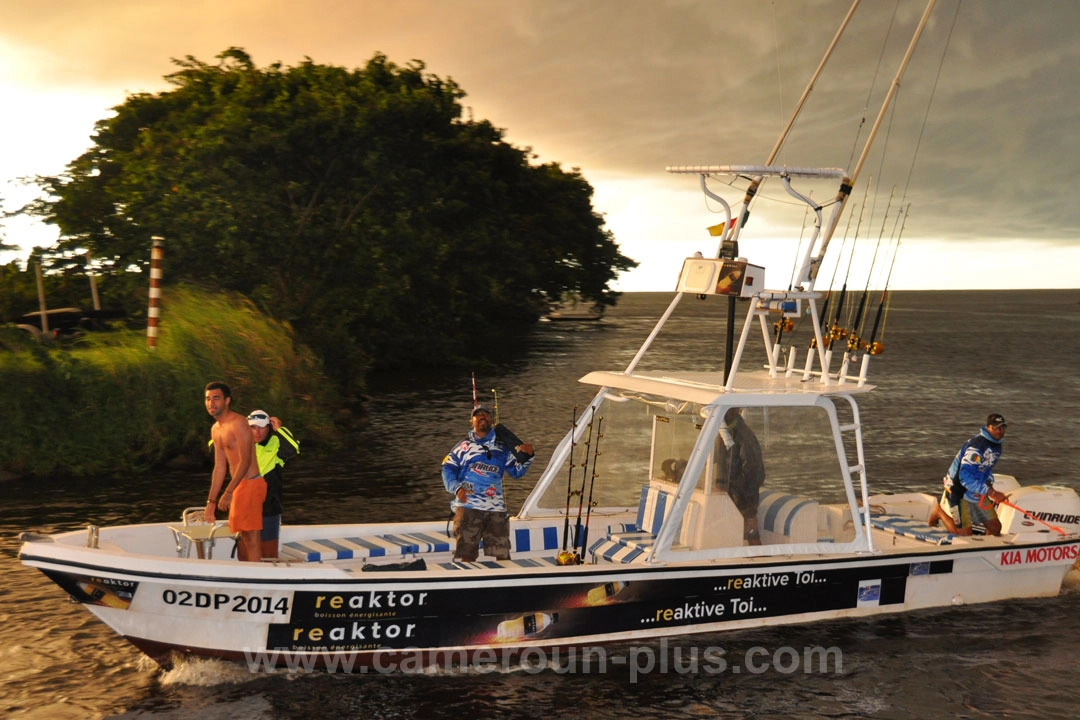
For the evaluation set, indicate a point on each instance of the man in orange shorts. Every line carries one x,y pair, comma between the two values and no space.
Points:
234,448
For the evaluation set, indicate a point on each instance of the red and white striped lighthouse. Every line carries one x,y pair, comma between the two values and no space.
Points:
157,254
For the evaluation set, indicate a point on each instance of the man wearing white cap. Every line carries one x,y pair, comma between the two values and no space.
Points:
274,444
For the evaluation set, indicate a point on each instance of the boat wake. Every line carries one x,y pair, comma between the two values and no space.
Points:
1071,583
202,672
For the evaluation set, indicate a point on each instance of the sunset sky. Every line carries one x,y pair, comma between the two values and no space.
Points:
623,88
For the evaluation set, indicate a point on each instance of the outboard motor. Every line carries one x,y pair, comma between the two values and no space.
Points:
1046,505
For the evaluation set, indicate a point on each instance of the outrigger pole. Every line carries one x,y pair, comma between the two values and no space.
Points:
809,271
751,191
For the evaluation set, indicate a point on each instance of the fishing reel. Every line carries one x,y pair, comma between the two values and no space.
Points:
873,348
567,558
784,325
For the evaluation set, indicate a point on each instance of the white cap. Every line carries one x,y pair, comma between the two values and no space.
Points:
258,418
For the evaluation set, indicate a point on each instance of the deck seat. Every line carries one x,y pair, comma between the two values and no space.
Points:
785,519
522,539
634,543
529,539
193,532
911,527
348,548
620,550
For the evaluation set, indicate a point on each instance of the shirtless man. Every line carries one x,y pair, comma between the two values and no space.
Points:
234,447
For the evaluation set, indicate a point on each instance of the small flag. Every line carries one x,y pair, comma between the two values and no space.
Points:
718,230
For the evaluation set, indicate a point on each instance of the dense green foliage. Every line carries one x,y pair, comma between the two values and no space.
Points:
109,404
358,205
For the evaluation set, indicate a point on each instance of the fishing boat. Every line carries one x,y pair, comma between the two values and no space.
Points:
632,532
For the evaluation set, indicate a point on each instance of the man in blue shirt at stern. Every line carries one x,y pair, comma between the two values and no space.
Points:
472,472
967,505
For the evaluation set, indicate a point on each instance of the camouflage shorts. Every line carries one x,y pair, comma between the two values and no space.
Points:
969,514
471,526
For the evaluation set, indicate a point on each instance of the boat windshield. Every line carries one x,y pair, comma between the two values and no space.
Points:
638,441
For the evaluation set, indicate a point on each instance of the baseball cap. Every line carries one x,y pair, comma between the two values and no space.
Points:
258,418
482,408
995,420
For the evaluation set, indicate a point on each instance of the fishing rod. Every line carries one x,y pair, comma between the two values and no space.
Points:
834,331
836,268
823,316
837,330
802,236
568,558
823,332
786,324
592,484
584,477
875,348
503,434
854,340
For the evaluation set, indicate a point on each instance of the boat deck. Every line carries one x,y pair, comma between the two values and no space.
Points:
791,526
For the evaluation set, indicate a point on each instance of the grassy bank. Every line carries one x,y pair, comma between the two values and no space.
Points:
110,404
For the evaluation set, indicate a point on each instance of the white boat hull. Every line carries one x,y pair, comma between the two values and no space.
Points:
333,614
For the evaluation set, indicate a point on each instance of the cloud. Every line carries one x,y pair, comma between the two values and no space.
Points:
623,88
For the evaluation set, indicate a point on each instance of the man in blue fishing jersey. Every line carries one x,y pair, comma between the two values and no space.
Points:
967,505
472,472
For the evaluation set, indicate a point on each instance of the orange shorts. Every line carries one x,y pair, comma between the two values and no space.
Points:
245,512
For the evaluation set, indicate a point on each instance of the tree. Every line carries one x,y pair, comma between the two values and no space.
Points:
357,204
3,244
